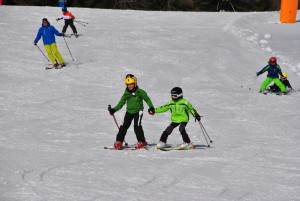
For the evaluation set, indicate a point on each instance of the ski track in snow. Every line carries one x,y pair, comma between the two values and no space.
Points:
54,123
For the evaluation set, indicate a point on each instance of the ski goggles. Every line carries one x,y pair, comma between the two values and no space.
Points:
176,95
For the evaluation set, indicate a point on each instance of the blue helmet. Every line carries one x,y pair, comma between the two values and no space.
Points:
64,9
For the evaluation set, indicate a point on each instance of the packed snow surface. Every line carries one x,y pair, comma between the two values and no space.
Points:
55,123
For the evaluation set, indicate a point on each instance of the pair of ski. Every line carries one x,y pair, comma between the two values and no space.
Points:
276,93
49,68
168,148
70,35
279,93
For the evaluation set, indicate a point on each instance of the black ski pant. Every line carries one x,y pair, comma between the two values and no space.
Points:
138,129
71,23
182,131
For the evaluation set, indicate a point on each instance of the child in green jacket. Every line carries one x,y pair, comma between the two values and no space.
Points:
133,97
180,109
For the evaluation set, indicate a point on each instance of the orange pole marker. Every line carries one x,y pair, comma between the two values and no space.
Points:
288,11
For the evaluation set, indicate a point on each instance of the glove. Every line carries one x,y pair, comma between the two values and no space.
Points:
73,19
257,74
151,111
111,110
62,34
58,19
197,117
35,44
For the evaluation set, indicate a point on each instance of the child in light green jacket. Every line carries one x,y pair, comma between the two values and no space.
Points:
180,109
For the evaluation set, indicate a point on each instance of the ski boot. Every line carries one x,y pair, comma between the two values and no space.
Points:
55,66
62,65
161,145
186,145
141,145
118,145
284,93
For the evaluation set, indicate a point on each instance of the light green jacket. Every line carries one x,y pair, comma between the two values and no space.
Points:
180,110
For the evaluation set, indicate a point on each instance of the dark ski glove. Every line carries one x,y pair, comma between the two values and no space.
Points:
111,110
197,117
35,44
151,111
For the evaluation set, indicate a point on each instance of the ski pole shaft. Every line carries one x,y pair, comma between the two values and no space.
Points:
249,81
68,48
201,125
232,6
42,52
205,134
115,121
109,106
80,23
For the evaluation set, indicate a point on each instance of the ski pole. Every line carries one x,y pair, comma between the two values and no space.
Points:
42,52
232,6
80,23
68,48
205,134
249,81
109,106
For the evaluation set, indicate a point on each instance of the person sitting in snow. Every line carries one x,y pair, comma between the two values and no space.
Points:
284,80
274,71
133,97
180,109
69,20
48,33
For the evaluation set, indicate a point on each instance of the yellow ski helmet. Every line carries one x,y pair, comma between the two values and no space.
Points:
285,75
131,79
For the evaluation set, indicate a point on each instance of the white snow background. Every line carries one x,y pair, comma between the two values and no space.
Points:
55,123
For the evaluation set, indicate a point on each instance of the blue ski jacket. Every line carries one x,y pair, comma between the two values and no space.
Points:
47,32
273,71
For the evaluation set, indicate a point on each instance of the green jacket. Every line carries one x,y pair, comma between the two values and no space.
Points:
180,110
134,101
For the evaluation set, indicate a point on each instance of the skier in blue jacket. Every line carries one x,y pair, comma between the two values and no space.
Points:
48,33
274,71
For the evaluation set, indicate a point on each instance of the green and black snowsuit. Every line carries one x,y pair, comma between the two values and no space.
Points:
134,110
180,111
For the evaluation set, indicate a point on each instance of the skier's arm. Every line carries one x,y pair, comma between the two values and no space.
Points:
263,70
147,99
193,111
121,103
56,32
38,37
279,71
163,108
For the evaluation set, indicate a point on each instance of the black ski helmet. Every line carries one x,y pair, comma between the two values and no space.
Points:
176,93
